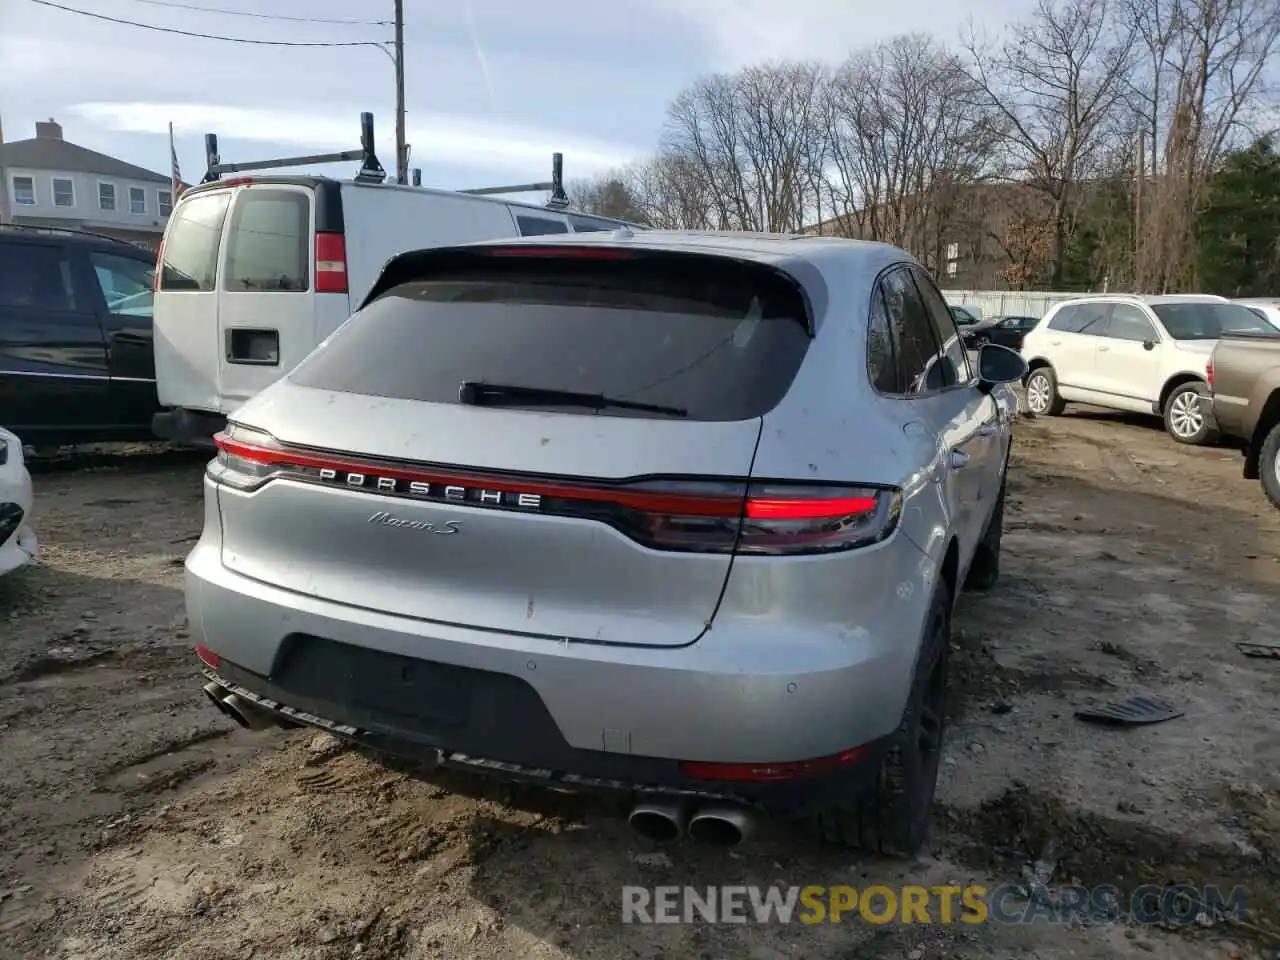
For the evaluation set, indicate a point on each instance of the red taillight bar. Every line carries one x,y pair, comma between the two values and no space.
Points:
208,657
1208,372
672,503
772,508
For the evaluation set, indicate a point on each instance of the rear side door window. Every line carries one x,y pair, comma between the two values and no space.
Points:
1130,323
37,277
534,226
191,244
1066,320
269,243
944,325
916,347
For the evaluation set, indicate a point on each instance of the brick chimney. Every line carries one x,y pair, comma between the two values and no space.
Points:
48,130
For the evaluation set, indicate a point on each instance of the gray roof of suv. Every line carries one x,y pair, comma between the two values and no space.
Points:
46,153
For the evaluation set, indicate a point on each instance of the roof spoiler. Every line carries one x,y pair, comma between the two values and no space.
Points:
371,171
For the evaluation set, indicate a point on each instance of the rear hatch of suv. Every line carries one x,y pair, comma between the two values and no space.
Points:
447,454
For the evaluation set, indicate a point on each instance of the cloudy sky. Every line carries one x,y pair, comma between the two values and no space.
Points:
493,86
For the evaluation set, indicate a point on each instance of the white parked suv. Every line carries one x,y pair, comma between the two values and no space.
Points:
1145,354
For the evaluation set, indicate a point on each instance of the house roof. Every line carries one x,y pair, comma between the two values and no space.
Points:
49,153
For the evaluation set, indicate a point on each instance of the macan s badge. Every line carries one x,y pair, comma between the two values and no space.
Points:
426,526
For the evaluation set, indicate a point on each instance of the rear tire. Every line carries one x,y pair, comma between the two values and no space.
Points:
1042,393
1269,466
1183,416
892,819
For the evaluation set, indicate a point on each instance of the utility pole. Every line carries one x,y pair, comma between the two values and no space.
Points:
1141,166
402,151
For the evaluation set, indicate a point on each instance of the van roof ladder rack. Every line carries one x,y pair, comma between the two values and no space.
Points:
559,199
371,171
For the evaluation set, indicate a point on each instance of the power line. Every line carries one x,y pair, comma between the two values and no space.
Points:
207,36
262,16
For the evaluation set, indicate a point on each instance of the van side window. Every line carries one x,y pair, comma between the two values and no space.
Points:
536,226
269,242
585,224
191,245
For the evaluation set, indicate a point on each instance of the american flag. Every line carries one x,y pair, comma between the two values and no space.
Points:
175,174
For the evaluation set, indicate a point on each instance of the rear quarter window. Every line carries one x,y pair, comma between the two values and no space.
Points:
719,339
191,243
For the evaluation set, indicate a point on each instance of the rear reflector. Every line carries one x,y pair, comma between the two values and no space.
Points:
208,657
771,518
331,263
1208,372
770,772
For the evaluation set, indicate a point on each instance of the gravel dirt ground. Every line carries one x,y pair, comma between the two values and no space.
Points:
136,822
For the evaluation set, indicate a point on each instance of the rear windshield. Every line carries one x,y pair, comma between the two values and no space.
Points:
1208,321
718,339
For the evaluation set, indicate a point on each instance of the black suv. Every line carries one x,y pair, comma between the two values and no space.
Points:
76,362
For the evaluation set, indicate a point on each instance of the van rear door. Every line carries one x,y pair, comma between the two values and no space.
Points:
266,306
187,349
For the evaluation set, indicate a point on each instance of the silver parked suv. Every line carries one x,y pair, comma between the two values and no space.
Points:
679,514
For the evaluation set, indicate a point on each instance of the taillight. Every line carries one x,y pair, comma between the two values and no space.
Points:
208,657
764,518
331,263
1208,372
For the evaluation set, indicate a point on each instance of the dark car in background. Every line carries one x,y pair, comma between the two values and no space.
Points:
1006,331
76,362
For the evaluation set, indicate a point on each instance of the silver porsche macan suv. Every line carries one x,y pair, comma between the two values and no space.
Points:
679,514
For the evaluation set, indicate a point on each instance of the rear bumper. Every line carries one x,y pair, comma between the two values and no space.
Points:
188,427
622,715
522,744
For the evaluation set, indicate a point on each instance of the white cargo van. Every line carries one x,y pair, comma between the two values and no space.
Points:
254,272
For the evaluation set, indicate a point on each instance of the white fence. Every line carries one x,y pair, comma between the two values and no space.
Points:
1007,303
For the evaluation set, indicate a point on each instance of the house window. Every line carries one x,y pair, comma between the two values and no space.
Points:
64,192
24,191
106,196
166,202
953,259
137,200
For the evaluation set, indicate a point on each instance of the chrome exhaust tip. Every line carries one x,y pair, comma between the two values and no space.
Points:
249,715
217,696
659,821
721,825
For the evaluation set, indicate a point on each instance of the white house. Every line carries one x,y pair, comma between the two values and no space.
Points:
50,182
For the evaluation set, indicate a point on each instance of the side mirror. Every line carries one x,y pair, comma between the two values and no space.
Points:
997,364
1148,344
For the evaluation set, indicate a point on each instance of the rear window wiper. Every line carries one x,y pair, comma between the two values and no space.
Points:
477,394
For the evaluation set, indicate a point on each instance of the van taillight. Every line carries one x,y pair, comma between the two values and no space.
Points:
1208,371
331,263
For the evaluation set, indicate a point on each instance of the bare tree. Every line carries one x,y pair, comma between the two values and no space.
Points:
907,133
749,139
1202,69
609,195
1056,82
